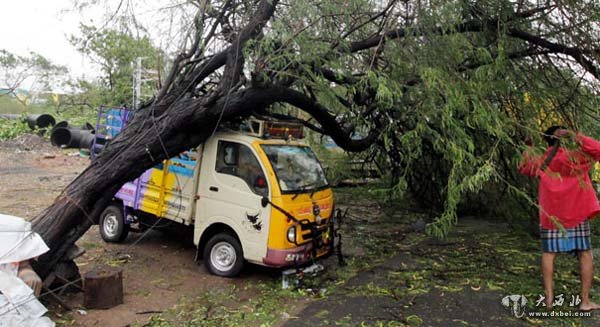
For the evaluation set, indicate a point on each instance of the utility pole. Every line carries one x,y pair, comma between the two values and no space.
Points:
137,83
141,76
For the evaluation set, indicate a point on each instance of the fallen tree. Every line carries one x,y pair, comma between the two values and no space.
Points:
346,65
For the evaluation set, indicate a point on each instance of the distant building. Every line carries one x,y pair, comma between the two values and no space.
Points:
23,96
27,97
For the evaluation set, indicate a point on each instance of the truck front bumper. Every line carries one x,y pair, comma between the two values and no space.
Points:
324,238
300,255
282,258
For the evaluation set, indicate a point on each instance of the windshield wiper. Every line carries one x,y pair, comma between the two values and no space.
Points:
303,189
300,191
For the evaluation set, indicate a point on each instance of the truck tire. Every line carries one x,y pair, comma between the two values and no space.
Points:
113,228
223,255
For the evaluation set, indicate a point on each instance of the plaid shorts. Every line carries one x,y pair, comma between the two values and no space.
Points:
576,239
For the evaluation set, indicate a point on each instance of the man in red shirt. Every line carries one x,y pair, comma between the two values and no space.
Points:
567,201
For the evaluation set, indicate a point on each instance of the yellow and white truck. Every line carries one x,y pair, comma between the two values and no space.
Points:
250,196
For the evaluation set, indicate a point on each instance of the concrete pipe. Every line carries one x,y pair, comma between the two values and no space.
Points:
68,137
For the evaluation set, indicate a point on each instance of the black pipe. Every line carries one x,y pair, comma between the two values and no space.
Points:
88,126
40,121
10,116
65,124
69,137
62,123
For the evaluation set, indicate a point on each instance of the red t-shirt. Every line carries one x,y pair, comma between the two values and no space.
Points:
565,190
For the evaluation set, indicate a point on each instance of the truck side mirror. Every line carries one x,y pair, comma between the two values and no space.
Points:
264,202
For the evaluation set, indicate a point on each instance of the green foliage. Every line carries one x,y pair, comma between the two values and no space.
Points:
451,107
34,69
79,116
482,256
338,167
115,51
82,105
337,164
458,104
10,129
75,115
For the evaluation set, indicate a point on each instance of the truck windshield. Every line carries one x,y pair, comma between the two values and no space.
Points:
296,167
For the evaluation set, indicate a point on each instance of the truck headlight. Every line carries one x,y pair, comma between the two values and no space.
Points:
291,234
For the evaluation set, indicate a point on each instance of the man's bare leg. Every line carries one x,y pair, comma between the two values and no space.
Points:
547,274
586,271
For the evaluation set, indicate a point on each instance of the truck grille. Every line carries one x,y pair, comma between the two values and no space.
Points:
306,230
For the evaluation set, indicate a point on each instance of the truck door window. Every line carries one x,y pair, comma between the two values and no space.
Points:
238,160
230,154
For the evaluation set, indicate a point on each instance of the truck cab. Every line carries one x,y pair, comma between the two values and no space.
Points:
254,195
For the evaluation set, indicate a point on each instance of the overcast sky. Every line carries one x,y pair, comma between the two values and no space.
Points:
42,26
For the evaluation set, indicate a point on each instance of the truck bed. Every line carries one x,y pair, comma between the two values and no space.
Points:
166,190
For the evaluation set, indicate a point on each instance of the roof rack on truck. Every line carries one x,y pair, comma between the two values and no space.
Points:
268,128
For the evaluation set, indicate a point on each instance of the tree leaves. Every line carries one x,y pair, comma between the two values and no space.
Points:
115,52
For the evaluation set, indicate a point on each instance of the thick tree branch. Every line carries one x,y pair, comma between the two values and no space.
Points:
231,57
235,58
511,56
328,122
575,53
198,49
469,26
170,92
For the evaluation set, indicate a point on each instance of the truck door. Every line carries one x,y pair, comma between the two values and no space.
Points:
230,188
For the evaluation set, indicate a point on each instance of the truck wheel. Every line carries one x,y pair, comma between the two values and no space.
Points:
113,228
223,255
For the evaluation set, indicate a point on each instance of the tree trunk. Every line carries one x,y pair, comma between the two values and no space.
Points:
174,122
145,142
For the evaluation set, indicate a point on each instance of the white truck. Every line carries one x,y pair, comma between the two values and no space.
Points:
252,195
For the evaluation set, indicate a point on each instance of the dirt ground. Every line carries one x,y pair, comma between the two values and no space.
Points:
396,276
158,270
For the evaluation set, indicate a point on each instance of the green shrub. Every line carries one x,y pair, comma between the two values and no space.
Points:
10,129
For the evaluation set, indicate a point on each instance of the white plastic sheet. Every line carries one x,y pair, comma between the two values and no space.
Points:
18,304
17,241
